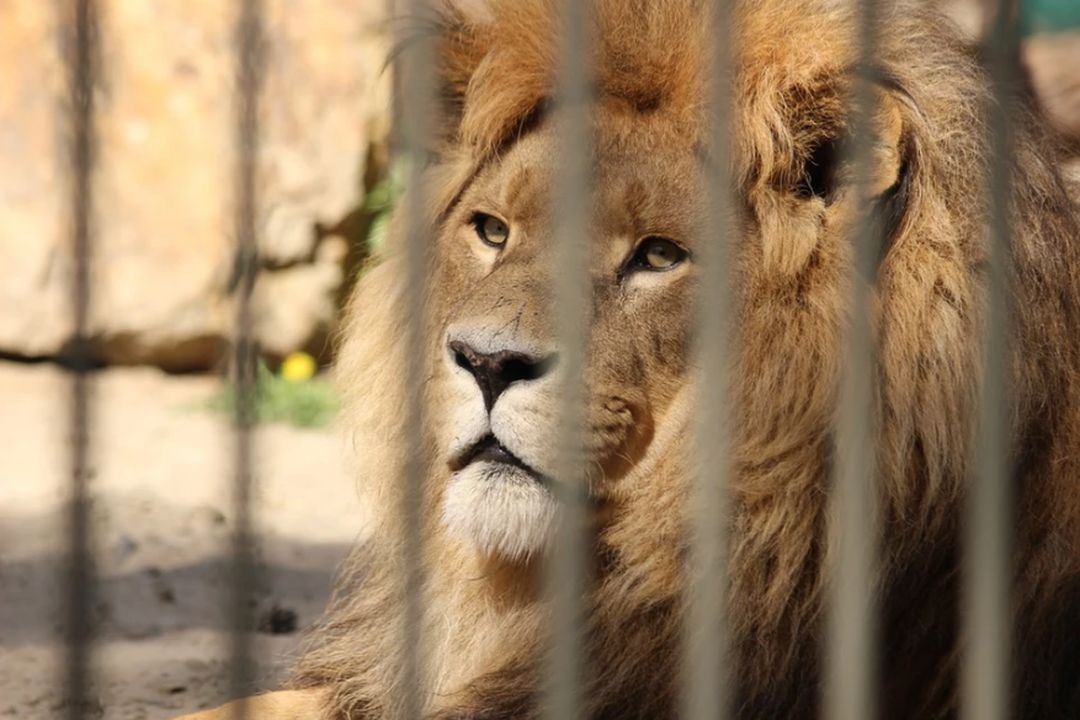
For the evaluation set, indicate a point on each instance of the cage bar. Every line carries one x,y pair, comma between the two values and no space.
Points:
416,119
707,691
988,548
852,627
250,66
81,54
851,657
566,568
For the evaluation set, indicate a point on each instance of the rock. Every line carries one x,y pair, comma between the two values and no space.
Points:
124,547
1050,53
163,230
1053,61
278,620
1072,171
204,521
295,306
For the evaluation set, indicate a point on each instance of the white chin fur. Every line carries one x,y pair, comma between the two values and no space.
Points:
500,509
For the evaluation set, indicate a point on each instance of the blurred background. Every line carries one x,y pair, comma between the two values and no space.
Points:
162,310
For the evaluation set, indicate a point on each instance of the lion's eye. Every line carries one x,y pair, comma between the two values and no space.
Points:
658,254
491,229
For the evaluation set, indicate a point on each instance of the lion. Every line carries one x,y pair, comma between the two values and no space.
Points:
491,372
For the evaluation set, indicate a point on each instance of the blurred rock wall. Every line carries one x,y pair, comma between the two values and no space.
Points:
163,230
1050,52
163,239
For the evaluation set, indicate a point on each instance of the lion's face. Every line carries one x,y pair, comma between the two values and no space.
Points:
499,373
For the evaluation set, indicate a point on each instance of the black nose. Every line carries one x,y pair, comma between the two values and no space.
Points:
496,371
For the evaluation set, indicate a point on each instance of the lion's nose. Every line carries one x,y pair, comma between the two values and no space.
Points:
496,371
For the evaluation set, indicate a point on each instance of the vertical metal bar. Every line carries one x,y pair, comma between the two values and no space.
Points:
707,692
566,580
81,55
852,658
249,75
417,118
986,677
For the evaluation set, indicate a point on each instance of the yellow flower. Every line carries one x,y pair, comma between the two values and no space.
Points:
298,367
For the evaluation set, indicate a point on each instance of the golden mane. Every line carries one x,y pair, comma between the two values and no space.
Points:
792,59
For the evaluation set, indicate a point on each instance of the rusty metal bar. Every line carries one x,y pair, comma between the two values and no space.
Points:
81,53
707,689
987,617
566,569
416,120
851,665
249,76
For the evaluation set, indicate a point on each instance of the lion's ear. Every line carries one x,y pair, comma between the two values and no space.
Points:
495,70
887,160
457,34
463,41
826,159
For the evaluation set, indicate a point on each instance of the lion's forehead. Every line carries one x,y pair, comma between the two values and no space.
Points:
646,179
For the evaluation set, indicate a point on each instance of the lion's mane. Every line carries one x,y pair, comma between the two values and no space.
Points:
497,70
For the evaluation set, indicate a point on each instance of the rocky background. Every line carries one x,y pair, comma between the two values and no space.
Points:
1050,52
163,238
161,442
163,243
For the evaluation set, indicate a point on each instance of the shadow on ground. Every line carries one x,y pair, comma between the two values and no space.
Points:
161,617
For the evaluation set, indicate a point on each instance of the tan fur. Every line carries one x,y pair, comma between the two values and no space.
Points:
285,705
485,626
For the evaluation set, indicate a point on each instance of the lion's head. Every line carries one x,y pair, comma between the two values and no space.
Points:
493,378
492,373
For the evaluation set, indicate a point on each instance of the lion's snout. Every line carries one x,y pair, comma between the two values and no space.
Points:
494,370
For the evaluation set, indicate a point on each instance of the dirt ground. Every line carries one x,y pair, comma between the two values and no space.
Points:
161,519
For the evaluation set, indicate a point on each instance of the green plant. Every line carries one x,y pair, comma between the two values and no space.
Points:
308,403
379,202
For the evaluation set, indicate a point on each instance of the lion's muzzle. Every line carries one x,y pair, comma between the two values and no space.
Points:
498,497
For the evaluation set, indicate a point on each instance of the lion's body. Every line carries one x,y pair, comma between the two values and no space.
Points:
484,630
282,705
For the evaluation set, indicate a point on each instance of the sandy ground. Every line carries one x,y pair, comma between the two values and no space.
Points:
161,519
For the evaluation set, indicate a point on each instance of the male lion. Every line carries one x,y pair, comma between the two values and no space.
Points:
492,371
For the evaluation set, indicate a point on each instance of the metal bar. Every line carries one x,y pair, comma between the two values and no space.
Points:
707,689
852,627
566,569
987,618
249,74
417,123
81,55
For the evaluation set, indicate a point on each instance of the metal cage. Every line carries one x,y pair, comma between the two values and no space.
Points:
851,639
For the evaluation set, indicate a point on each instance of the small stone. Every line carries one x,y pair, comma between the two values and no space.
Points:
126,546
278,621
